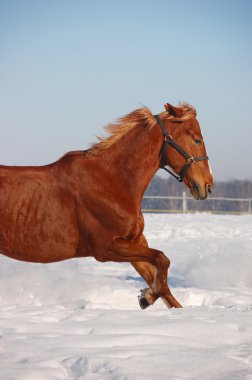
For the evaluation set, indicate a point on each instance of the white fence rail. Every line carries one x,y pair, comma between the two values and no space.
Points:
184,203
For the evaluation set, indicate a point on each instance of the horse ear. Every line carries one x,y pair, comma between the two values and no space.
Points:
173,111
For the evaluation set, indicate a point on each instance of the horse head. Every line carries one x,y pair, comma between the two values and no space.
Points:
184,149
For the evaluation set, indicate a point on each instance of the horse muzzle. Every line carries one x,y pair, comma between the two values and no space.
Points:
201,192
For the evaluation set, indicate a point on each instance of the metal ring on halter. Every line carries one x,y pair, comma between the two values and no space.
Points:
191,160
168,138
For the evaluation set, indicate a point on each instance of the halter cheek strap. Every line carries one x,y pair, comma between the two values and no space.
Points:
168,140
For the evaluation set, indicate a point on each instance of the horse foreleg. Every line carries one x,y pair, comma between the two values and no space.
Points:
147,272
147,297
129,251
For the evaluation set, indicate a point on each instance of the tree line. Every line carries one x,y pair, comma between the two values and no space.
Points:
226,189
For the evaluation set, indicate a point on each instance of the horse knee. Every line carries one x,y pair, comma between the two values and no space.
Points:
162,260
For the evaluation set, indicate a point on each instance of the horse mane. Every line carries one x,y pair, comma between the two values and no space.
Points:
121,127
140,117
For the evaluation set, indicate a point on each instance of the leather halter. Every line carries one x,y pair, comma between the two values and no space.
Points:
168,140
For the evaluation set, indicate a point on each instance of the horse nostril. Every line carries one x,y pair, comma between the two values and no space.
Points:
209,188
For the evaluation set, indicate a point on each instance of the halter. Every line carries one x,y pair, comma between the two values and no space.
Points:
168,140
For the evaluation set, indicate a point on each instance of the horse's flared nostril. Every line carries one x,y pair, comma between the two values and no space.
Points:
209,188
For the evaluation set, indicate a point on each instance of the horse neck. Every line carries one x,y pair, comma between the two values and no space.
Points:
135,159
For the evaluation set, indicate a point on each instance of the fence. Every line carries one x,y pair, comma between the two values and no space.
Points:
184,203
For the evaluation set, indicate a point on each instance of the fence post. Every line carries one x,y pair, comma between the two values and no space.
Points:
184,202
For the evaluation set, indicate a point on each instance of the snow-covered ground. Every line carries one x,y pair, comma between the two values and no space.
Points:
80,319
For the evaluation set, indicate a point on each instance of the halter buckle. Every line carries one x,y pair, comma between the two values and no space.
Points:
191,160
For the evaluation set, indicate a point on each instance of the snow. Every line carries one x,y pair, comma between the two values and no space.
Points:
80,319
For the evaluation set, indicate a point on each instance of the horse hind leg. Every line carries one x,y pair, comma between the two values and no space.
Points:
147,296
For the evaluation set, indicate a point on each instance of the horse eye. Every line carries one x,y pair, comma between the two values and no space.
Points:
198,141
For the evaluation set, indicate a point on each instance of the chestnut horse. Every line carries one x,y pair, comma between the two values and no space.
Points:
88,203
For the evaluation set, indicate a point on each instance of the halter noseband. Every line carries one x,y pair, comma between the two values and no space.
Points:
168,140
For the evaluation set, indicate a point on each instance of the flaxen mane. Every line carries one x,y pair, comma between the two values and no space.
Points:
140,117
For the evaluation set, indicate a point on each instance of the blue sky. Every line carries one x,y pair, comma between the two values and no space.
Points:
67,68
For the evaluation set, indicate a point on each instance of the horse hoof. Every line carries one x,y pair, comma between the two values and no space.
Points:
143,302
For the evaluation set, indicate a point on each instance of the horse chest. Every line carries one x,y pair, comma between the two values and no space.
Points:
102,225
